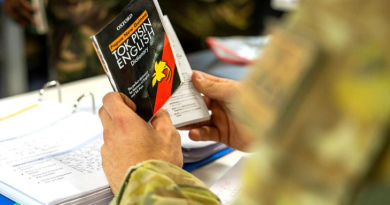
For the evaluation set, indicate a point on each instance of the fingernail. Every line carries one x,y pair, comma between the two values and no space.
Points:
199,76
164,111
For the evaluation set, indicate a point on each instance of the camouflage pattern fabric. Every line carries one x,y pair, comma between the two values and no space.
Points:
318,100
72,22
320,104
157,182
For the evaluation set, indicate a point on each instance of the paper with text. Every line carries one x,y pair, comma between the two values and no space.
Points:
186,106
62,152
229,186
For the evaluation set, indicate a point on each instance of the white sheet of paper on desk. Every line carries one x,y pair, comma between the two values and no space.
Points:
34,118
54,164
186,106
229,186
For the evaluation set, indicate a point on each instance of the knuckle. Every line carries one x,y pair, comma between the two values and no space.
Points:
108,97
106,135
101,110
212,86
170,131
102,149
164,113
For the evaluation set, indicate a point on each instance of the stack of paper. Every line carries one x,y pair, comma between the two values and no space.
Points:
48,156
229,186
197,154
197,151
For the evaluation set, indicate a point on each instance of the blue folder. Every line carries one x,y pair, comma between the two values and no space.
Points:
5,201
191,166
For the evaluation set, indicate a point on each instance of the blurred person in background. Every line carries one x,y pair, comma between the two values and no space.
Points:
195,20
315,113
72,56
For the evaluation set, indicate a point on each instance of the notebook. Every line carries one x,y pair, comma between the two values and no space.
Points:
50,156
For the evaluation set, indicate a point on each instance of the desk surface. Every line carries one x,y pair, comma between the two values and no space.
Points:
100,86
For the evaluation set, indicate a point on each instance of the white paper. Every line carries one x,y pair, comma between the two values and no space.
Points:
55,163
229,186
186,106
34,117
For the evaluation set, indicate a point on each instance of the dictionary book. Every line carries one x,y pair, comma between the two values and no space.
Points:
137,57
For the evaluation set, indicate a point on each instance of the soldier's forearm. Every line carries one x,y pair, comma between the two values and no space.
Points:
157,181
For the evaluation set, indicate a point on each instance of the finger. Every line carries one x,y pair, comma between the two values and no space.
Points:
196,125
205,133
207,101
128,102
210,77
105,117
220,120
214,88
162,122
106,121
115,105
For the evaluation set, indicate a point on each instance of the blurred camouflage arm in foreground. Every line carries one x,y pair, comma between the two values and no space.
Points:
157,182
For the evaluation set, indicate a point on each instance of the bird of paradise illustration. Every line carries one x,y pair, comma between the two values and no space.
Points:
159,74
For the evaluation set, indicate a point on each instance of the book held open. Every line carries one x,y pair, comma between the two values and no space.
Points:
49,156
143,59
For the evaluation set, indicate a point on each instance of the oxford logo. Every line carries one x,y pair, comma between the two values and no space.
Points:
159,74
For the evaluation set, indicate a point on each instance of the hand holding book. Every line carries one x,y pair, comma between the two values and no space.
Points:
129,140
143,59
222,127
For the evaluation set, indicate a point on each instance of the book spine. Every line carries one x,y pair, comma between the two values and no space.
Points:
103,62
160,14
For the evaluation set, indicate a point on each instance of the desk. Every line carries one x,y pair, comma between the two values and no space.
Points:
100,86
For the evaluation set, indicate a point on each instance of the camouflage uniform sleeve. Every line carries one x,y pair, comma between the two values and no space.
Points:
158,182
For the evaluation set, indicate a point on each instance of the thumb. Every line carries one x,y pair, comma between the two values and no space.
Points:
213,87
162,121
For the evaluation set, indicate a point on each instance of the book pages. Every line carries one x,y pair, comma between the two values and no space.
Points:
186,106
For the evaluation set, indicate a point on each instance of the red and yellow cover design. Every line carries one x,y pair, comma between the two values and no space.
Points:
136,54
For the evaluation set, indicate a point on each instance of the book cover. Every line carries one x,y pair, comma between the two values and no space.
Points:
136,54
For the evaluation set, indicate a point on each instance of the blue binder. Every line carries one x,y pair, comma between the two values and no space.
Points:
191,166
5,201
